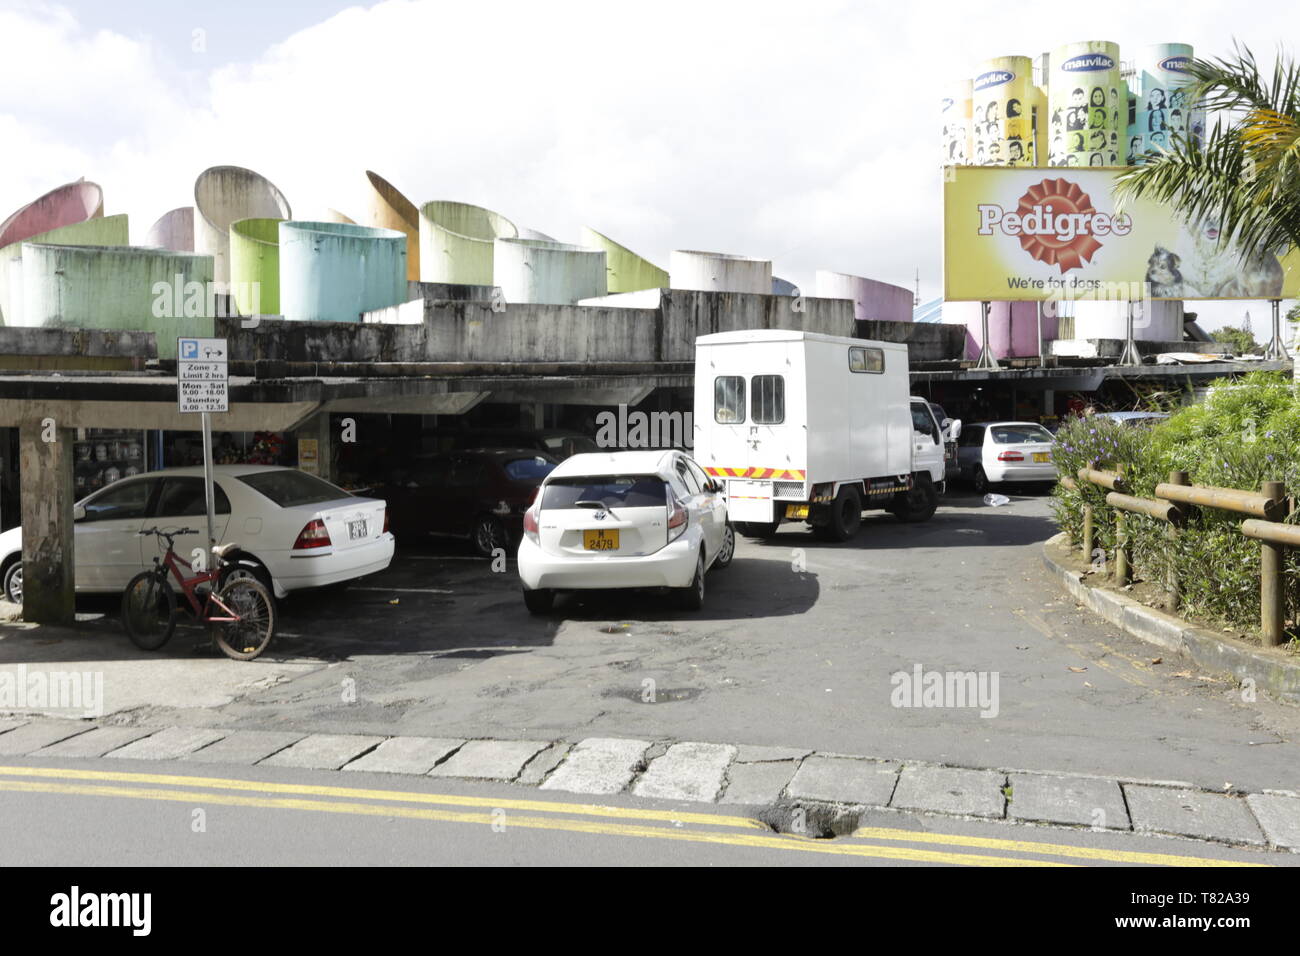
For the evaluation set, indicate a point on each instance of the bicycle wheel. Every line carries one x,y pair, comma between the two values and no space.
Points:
149,610
249,636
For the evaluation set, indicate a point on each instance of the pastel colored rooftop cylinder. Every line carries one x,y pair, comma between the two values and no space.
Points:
226,194
553,273
456,242
255,266
628,272
332,272
719,272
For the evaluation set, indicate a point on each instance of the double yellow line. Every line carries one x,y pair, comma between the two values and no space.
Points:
566,817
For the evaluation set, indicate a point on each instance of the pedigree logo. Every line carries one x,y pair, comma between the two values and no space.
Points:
1088,63
993,78
1055,222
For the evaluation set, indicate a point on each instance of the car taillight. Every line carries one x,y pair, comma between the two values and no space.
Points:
530,517
385,531
1011,456
676,517
315,535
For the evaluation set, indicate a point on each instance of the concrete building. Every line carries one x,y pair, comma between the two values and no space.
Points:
255,266
555,273
118,287
456,242
387,208
174,230
226,194
333,272
628,272
719,272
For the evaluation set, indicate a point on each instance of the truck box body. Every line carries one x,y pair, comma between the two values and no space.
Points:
817,411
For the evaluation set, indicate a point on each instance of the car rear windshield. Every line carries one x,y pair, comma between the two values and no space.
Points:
529,469
629,491
1020,434
289,489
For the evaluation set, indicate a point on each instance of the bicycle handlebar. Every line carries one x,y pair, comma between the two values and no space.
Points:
169,535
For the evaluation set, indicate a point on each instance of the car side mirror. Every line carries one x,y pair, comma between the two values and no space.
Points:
78,512
952,429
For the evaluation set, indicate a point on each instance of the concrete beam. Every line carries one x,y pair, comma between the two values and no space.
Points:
49,566
89,413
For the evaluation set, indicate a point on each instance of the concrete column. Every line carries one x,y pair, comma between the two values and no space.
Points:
318,428
532,415
1049,401
45,467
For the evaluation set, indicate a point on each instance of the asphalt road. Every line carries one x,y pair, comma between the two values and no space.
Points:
796,646
129,813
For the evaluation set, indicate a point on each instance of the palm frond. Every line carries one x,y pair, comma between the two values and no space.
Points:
1245,176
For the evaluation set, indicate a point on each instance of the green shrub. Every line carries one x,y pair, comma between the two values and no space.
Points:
1246,432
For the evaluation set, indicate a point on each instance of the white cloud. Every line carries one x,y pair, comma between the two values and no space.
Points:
807,133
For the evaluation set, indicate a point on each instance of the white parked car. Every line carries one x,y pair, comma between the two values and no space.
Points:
990,453
294,530
633,519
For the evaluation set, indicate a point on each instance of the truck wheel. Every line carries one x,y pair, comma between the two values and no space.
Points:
846,515
919,504
758,529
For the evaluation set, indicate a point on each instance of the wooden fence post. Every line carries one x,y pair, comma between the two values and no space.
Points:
1271,594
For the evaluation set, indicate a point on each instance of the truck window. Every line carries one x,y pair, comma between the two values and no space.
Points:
866,360
729,399
923,421
768,402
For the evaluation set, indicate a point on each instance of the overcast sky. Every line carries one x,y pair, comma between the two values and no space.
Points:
806,133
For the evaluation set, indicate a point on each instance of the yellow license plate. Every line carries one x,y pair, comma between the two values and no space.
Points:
1042,456
603,539
796,511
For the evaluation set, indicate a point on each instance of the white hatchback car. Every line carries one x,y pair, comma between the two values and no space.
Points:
633,519
991,453
294,530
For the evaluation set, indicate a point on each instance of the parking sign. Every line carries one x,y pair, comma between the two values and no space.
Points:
202,379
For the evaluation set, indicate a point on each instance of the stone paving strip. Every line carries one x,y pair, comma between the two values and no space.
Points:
692,771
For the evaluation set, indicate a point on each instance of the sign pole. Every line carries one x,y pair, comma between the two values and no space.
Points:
1276,350
986,357
209,493
203,387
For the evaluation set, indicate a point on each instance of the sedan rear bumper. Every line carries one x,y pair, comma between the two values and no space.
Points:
318,567
672,566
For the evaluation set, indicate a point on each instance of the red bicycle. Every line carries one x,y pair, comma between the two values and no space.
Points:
239,612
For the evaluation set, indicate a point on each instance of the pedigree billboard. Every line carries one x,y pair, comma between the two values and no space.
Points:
1055,233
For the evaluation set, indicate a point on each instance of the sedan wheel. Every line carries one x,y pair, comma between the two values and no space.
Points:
13,583
981,480
489,534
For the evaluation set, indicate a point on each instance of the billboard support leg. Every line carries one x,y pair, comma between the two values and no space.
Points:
986,359
1131,357
1276,349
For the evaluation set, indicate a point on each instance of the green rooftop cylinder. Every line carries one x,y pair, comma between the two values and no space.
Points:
255,266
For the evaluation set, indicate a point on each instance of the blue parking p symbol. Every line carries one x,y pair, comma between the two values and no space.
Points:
189,348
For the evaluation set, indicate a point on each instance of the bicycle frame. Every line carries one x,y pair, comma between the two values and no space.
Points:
203,612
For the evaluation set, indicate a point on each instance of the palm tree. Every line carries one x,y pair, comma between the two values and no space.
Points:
1246,173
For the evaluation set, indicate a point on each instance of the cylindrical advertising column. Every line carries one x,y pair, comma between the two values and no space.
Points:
956,119
1002,115
1087,105
1163,111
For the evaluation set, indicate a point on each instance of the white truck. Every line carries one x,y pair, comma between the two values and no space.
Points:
810,427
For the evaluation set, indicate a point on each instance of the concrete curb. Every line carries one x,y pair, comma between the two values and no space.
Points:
687,772
1278,678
